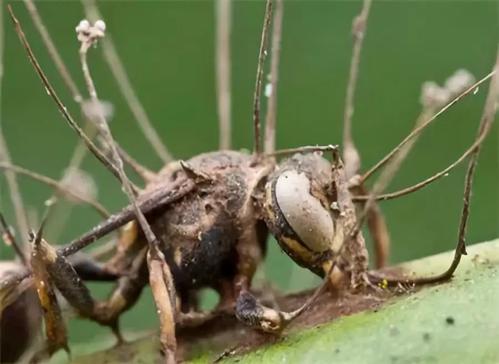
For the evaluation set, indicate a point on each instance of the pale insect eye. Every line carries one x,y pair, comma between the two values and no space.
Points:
304,213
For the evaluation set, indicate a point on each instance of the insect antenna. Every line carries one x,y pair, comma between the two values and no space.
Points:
223,9
262,54
118,70
271,87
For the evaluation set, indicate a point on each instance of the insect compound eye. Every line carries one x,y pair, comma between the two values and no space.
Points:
304,213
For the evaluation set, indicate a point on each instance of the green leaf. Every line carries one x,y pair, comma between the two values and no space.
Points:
453,322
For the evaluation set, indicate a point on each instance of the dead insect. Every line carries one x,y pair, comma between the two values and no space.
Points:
204,222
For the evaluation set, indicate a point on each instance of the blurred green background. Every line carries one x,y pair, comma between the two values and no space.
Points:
168,49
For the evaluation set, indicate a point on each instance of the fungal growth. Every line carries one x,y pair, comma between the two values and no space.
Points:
204,222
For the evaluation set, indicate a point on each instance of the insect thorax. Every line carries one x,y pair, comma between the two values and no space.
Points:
200,231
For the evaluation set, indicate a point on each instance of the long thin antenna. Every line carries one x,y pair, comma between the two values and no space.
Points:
15,194
271,115
350,154
262,54
118,70
223,65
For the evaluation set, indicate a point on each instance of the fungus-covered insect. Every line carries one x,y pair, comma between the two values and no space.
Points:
204,222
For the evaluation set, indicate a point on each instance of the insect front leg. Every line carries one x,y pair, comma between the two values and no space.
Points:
248,309
125,294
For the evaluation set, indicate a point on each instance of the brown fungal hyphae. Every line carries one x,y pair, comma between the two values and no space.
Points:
204,222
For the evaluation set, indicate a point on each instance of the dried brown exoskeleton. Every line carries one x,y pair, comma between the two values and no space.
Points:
204,222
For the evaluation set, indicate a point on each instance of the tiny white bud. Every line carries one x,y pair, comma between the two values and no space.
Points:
89,34
83,26
101,25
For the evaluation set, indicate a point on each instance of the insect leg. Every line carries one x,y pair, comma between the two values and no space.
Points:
163,289
17,281
248,309
66,279
484,128
128,246
124,295
43,258
89,269
148,202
